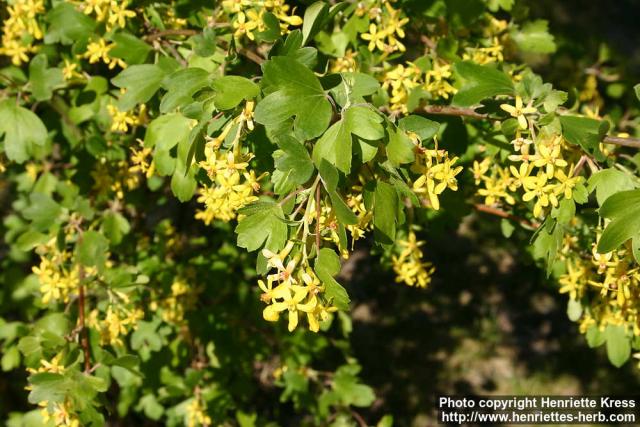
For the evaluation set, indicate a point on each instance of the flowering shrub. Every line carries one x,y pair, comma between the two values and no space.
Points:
183,178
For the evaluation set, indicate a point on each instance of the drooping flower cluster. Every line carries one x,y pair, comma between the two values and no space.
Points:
402,80
58,278
437,173
20,29
233,185
98,51
113,13
409,266
247,16
385,26
609,282
293,288
119,319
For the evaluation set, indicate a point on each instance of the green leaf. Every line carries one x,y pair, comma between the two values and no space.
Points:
263,225
595,337
47,386
181,86
425,129
67,25
584,132
348,387
326,267
574,310
166,131
385,207
293,90
115,226
130,49
294,161
22,129
546,242
43,79
636,89
623,209
400,149
314,17
330,178
183,182
335,146
534,37
140,82
231,90
607,182
618,345
482,81
92,249
43,211
354,87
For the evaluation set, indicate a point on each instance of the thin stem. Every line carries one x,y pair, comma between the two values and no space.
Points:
318,212
84,337
502,214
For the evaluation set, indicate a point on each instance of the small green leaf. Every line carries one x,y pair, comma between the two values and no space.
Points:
400,149
534,37
294,160
67,25
183,182
385,207
595,337
425,129
181,86
584,132
231,90
314,17
293,90
92,249
140,82
623,208
129,48
326,267
618,345
43,79
330,179
166,131
43,211
22,129
482,81
263,225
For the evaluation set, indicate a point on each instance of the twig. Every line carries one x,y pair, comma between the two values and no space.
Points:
318,211
84,337
502,214
359,419
165,33
447,110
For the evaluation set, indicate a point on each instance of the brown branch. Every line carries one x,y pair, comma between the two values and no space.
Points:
502,214
84,337
359,419
165,33
318,211
447,110
624,142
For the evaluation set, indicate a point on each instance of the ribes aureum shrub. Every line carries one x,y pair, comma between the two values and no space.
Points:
182,181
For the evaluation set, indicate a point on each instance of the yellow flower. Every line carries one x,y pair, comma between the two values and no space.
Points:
292,302
519,111
244,27
536,187
375,37
567,182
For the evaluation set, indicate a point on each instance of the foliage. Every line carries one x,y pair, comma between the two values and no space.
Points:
172,170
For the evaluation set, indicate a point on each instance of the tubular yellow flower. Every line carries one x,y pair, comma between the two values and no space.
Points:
519,111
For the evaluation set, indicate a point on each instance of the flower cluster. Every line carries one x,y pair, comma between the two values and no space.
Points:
98,51
609,282
118,321
293,288
233,185
437,173
57,277
20,29
113,13
401,80
248,16
385,27
409,266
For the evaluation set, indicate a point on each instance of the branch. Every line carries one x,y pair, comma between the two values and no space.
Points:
502,214
84,337
447,110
